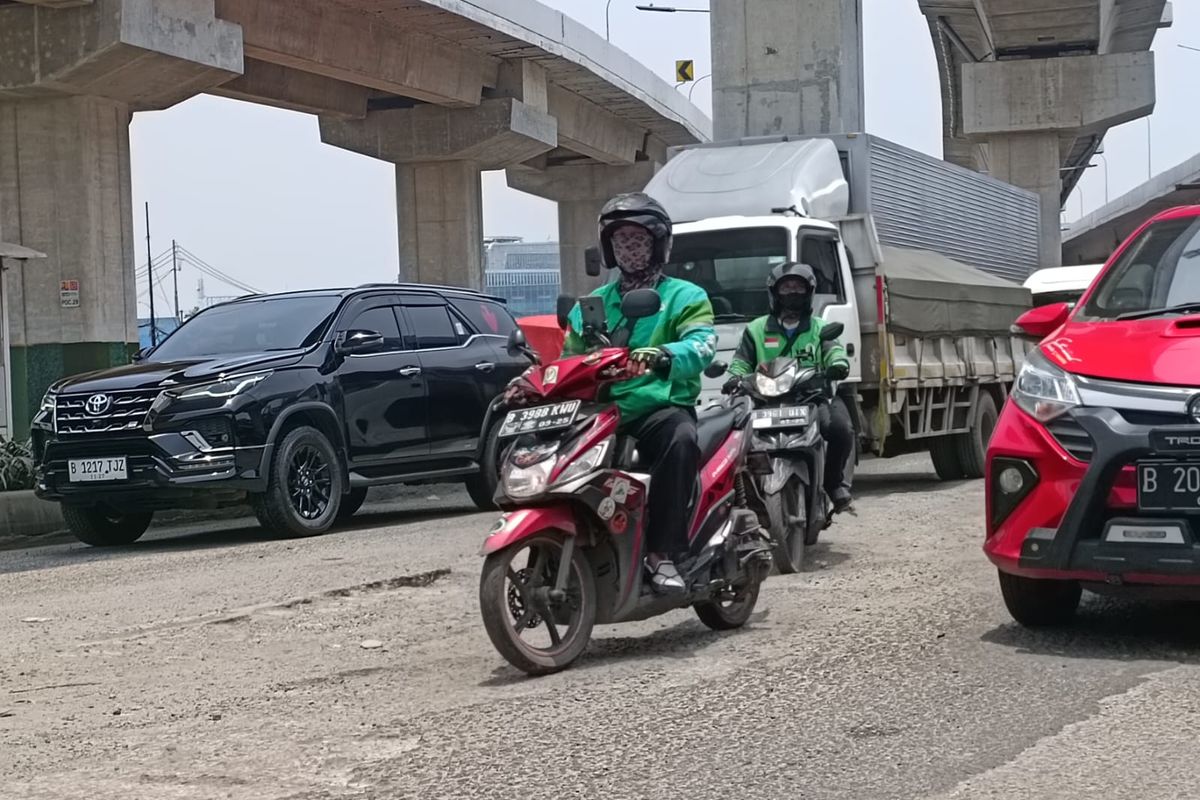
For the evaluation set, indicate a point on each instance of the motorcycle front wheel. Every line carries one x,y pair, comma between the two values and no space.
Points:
788,527
537,630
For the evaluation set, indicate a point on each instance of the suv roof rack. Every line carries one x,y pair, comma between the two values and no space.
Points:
430,287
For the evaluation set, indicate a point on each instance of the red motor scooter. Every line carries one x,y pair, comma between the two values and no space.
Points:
569,551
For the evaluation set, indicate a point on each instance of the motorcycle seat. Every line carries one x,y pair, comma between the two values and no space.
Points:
712,427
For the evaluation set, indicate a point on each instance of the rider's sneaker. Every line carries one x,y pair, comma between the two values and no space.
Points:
841,499
665,578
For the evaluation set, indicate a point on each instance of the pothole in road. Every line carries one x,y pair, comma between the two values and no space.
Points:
418,581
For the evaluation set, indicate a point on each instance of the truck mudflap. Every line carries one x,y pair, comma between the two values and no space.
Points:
516,526
1118,544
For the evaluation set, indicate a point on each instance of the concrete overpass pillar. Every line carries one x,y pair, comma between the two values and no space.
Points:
439,153
439,208
786,67
580,192
65,189
1028,112
70,79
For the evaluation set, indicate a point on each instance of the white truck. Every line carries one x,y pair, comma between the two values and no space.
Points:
890,233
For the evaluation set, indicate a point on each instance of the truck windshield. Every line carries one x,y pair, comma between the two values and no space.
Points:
732,266
253,326
1158,274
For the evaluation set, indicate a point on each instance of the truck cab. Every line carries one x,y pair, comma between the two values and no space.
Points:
732,257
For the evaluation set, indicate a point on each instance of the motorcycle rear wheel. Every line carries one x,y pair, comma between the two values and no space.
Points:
729,615
788,530
512,602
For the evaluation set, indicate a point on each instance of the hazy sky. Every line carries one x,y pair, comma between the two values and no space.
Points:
254,192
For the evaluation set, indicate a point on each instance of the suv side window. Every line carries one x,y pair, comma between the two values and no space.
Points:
381,319
821,253
488,318
433,327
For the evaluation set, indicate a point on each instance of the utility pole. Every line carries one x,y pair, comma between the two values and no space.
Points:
175,271
150,280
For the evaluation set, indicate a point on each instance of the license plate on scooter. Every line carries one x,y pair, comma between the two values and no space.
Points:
787,417
540,419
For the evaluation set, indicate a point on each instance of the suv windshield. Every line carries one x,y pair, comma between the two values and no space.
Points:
251,326
731,265
1159,273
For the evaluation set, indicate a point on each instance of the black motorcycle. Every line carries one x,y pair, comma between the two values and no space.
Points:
790,404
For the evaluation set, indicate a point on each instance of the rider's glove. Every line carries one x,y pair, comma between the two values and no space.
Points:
517,391
732,384
838,372
646,359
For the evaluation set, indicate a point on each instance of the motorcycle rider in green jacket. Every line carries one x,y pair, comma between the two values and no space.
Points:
669,353
791,330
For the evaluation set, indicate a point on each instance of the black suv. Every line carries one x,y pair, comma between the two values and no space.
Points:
296,402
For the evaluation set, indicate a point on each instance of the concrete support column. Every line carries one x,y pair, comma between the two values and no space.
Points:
786,67
580,192
65,190
1030,161
439,208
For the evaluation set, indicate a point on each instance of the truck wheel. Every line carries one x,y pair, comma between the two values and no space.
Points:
972,445
943,451
100,526
351,502
1039,603
304,489
482,486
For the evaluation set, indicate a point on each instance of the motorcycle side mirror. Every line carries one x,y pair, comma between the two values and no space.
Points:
641,303
565,305
832,331
517,344
592,263
716,369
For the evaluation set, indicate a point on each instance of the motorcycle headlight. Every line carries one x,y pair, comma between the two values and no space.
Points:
525,482
225,389
584,464
1043,391
777,386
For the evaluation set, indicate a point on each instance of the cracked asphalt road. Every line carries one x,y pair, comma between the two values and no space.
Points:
211,662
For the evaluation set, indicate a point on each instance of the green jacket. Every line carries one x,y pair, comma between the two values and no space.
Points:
683,327
765,340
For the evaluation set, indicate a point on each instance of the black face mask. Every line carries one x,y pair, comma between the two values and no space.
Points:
795,303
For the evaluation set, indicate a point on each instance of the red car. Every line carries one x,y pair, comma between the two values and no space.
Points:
1093,472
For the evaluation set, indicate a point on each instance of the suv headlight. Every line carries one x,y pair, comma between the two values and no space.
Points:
777,386
1044,391
224,389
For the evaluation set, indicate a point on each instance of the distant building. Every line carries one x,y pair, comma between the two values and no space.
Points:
526,274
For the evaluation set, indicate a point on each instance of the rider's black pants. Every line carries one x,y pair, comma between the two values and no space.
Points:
667,443
838,431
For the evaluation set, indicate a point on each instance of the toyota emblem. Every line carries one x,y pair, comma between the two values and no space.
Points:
1193,408
97,404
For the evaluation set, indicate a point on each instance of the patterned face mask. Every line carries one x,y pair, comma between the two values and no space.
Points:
633,248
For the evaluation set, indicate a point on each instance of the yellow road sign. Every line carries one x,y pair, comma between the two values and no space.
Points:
685,71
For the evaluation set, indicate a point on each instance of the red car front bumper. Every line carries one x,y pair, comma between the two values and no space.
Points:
1056,524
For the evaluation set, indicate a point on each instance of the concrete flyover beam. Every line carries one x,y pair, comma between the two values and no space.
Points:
580,191
592,131
498,133
57,3
283,87
337,42
145,53
1070,95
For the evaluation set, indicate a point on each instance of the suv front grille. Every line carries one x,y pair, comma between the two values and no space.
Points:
121,412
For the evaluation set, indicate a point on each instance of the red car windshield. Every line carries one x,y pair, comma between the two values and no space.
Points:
1159,273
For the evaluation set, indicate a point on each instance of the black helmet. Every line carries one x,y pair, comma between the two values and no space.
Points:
640,209
792,269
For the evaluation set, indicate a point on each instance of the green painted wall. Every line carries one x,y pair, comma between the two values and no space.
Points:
34,368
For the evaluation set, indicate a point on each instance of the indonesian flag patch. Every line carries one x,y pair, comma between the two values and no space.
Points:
771,341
